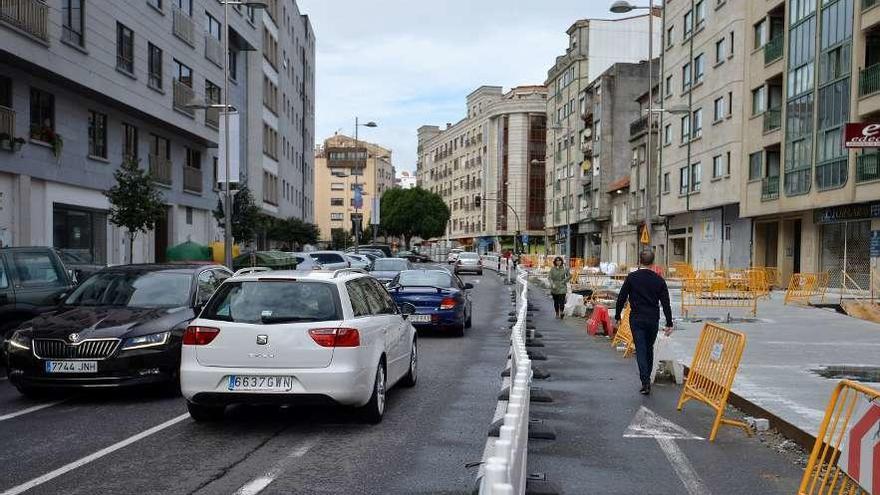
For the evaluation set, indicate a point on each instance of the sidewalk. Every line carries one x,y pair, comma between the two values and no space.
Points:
607,443
783,349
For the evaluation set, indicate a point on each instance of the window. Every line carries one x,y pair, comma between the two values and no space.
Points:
696,173
183,72
270,188
698,123
717,166
720,51
755,165
718,109
337,217
666,182
5,92
72,18
270,141
670,34
160,147
42,115
731,44
185,5
124,48
189,215
758,100
129,142
686,76
212,26
337,186
700,9
155,3
233,64
357,294
760,30
193,158
727,165
337,202
36,269
668,88
667,134
154,66
688,24
699,68
683,175
685,128
79,233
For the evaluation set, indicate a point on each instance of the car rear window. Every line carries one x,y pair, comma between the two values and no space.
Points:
468,255
417,278
326,258
274,301
389,265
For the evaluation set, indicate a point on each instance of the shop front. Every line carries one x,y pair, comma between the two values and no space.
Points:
845,242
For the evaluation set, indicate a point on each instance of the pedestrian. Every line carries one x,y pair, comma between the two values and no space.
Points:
646,291
559,277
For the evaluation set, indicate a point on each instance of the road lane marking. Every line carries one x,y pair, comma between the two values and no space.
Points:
260,483
22,412
93,457
683,468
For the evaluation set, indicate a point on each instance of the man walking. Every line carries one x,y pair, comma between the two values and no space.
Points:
646,291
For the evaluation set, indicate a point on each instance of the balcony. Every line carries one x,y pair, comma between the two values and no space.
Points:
212,118
636,128
192,179
770,188
160,169
869,80
772,119
29,16
868,167
184,27
213,50
183,95
773,49
7,122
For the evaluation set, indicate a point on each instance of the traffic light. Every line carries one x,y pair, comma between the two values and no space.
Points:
477,201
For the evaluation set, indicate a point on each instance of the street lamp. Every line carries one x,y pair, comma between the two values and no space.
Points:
377,197
556,128
357,125
623,7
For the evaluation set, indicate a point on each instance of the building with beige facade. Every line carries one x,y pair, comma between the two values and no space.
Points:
704,58
495,152
343,165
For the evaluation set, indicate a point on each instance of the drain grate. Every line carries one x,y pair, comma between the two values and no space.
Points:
867,374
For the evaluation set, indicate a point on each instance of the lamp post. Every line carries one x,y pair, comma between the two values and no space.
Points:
556,128
357,233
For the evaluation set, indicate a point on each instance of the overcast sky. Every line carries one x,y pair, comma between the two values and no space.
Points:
405,63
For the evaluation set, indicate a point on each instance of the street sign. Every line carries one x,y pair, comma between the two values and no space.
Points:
525,239
232,120
646,237
862,135
860,454
375,213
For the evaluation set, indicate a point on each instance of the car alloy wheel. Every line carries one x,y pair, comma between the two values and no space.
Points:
412,376
375,408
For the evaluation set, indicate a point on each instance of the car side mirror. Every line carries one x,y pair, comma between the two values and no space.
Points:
406,309
468,286
71,273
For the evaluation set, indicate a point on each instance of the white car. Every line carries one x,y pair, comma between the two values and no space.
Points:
453,255
358,261
291,337
330,260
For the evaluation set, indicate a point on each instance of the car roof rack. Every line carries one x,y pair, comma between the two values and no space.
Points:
251,269
336,273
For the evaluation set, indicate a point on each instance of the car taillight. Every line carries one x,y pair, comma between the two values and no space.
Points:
199,335
336,337
448,303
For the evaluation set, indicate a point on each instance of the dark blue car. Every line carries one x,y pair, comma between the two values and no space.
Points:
441,299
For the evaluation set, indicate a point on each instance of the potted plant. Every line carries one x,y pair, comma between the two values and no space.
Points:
54,139
5,141
17,143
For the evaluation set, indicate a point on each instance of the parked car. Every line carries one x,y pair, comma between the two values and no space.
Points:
330,260
376,253
81,266
385,269
452,257
441,299
122,326
413,256
33,280
358,261
385,249
295,337
469,263
306,262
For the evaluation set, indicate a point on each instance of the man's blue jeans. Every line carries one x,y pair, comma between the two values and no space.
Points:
644,336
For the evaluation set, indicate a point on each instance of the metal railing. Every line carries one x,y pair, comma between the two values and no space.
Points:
869,80
160,169
183,96
7,121
770,188
773,49
867,167
31,16
213,49
772,119
192,179
183,26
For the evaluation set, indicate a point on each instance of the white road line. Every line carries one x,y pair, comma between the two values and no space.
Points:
683,468
92,457
260,483
29,410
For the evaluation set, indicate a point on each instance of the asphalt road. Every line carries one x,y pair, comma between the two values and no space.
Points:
138,442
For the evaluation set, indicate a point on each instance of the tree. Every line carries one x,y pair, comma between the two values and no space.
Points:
135,202
294,231
245,215
340,239
414,212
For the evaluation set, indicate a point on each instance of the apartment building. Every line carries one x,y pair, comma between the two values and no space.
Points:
594,45
705,55
495,152
86,85
813,68
281,173
343,165
644,181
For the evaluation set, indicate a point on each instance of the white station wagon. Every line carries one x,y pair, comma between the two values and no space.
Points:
290,337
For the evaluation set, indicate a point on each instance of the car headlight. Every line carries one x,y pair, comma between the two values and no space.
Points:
151,340
20,340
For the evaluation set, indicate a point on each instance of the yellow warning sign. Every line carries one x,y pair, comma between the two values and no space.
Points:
646,238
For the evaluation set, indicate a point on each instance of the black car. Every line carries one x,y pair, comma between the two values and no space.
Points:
33,280
122,326
79,264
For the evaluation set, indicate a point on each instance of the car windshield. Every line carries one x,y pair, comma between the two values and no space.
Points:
134,290
468,256
276,301
389,265
424,278
327,258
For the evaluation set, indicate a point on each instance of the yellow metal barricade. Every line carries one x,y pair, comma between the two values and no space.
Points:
712,371
803,287
623,336
823,474
681,271
716,292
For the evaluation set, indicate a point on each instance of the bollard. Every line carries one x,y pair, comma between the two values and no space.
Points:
494,473
502,489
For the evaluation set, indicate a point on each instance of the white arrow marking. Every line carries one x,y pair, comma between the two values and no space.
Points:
648,424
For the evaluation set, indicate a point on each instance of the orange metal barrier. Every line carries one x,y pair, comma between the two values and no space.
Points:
712,371
803,287
623,336
825,473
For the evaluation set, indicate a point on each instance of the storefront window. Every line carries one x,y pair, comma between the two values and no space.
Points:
80,233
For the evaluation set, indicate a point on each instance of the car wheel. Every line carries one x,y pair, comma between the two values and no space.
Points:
469,322
412,375
458,330
480,273
374,410
205,414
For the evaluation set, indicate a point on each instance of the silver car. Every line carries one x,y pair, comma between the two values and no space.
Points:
359,260
330,260
469,262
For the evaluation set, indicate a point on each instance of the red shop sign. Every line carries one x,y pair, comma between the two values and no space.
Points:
862,135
